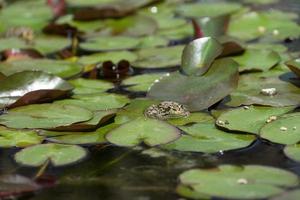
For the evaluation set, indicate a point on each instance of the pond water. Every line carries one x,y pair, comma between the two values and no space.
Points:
112,172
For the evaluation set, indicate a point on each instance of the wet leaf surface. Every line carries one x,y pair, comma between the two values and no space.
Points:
198,93
239,182
88,86
57,154
293,152
44,116
31,87
294,65
204,137
284,130
152,132
254,117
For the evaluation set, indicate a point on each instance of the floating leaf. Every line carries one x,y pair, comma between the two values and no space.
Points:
204,137
82,138
288,195
207,9
149,131
294,66
198,55
94,102
18,138
187,192
197,117
257,60
249,119
177,33
293,152
114,56
250,89
134,110
44,116
31,87
239,182
284,130
158,57
88,86
261,1
110,43
57,154
59,68
274,24
141,83
198,93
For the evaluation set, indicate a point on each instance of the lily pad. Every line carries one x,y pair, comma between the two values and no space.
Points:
141,83
81,138
249,119
177,33
293,152
198,93
198,55
288,195
197,117
149,131
57,154
152,58
110,43
31,87
187,192
257,60
196,10
89,86
239,182
204,137
61,68
294,66
44,116
94,102
18,138
272,24
284,130
114,56
134,110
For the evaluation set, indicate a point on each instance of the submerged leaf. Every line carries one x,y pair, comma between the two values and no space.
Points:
198,93
31,87
293,152
239,182
57,154
198,55
149,131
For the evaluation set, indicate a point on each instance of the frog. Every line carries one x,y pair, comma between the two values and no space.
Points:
22,32
166,110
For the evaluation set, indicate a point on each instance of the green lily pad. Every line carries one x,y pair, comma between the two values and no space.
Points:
21,14
31,87
293,152
207,9
158,57
110,43
141,83
294,66
272,24
199,54
250,89
94,102
284,130
61,68
187,192
149,131
134,110
89,86
197,117
152,41
249,119
257,60
81,138
279,48
57,154
239,182
12,43
114,56
44,116
177,33
288,195
204,137
198,93
18,138
261,1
